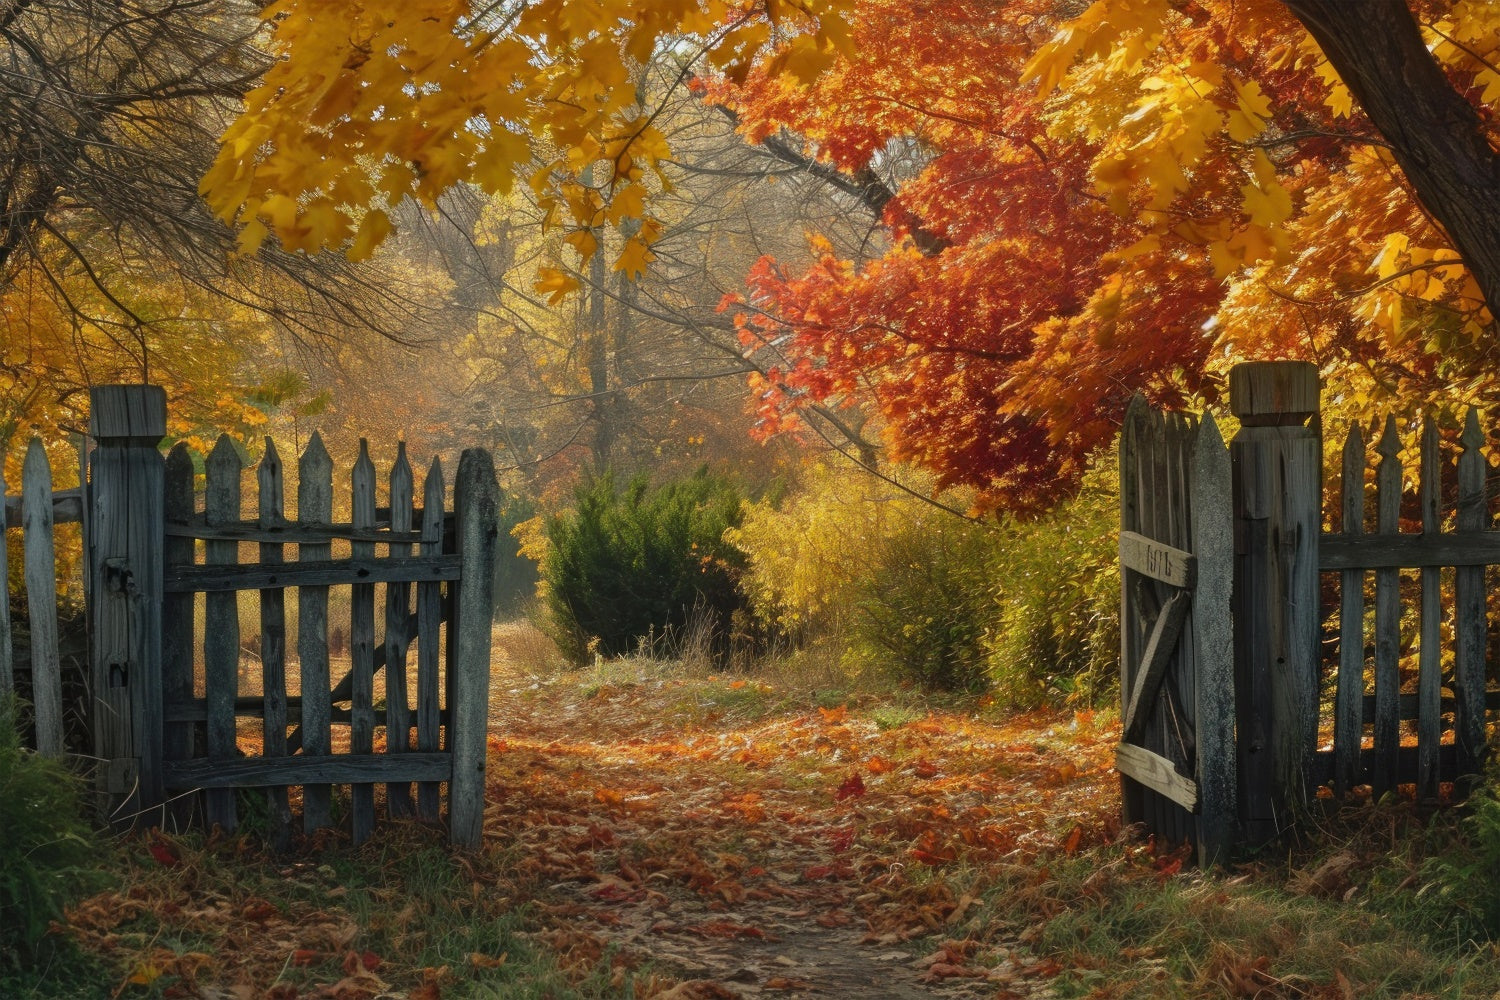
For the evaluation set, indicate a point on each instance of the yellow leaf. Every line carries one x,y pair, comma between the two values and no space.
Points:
584,241
556,285
1387,261
373,229
634,258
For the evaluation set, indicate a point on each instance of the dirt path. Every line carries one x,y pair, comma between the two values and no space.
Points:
760,848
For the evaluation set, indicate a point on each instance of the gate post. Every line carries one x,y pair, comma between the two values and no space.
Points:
127,499
1278,488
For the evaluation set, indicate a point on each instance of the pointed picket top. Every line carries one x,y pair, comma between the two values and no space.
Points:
433,498
223,468
363,482
315,483
1352,481
1472,437
269,478
1431,474
1390,441
401,490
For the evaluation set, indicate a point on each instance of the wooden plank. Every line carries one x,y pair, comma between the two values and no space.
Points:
67,508
429,617
1409,551
272,507
288,533
1157,560
1157,774
1470,612
41,599
397,612
221,628
1132,793
1405,764
128,497
314,507
1429,653
81,445
361,769
362,648
361,569
1213,639
178,618
1155,660
476,505
1387,614
1348,726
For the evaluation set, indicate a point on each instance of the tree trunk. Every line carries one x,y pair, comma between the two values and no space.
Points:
1436,135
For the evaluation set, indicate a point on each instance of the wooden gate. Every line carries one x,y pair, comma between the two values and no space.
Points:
1177,751
168,705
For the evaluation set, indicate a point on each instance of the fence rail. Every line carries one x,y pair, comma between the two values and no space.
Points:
1354,552
164,676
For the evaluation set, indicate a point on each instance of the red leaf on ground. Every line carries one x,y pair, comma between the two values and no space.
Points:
163,853
853,787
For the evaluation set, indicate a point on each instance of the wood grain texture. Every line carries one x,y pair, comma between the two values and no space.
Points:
429,624
314,507
1470,611
1387,615
178,620
476,505
128,497
361,569
40,567
272,507
1348,723
397,613
362,648
360,769
1212,627
1156,773
1429,654
221,628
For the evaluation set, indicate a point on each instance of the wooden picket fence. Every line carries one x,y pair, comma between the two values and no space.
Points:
1391,709
173,737
35,512
1371,697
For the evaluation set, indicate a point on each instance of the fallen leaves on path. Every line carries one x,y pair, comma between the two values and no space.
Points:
660,827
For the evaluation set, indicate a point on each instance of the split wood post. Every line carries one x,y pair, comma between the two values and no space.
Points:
1277,466
128,517
476,509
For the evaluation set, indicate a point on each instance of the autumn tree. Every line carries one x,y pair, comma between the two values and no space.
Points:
1121,199
111,266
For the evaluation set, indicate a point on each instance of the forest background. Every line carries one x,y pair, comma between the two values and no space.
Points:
795,245
801,329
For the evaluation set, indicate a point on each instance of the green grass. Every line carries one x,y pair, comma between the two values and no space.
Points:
1118,923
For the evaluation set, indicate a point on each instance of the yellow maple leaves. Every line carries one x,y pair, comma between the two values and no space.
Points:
386,100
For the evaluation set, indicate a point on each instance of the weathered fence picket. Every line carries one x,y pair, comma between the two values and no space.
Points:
36,511
315,508
1468,549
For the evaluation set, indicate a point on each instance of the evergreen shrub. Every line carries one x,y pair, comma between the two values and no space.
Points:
630,563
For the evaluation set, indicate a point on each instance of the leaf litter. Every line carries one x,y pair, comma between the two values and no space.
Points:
686,848
809,851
